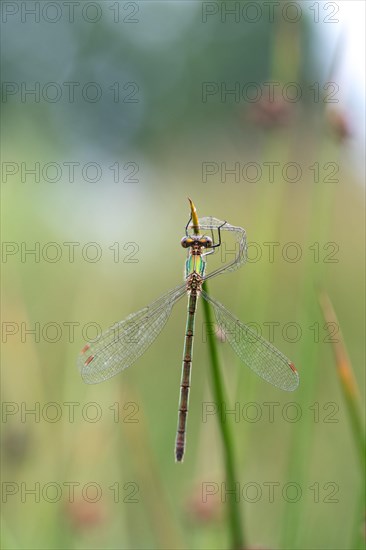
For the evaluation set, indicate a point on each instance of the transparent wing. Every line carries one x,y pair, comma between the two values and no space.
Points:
210,223
123,343
258,354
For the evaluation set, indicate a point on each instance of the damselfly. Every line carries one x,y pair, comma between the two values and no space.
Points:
122,344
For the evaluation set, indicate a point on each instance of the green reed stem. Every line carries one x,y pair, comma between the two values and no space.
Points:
235,521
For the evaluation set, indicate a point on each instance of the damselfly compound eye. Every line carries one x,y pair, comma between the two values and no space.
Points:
206,242
186,242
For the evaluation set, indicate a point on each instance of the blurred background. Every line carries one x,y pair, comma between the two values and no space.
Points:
112,114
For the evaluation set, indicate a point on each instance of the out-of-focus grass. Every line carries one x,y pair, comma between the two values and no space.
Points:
304,452
346,377
170,511
352,400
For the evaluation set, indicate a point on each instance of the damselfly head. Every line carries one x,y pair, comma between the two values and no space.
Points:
196,240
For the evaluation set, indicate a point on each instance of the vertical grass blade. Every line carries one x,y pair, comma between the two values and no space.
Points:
352,400
346,378
235,520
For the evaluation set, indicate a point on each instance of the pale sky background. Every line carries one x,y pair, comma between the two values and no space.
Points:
350,72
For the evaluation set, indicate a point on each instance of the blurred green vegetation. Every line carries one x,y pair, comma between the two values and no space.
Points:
169,133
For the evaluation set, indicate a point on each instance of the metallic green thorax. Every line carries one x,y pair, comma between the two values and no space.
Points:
195,264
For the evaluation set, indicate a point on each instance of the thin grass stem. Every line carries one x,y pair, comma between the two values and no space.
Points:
235,519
